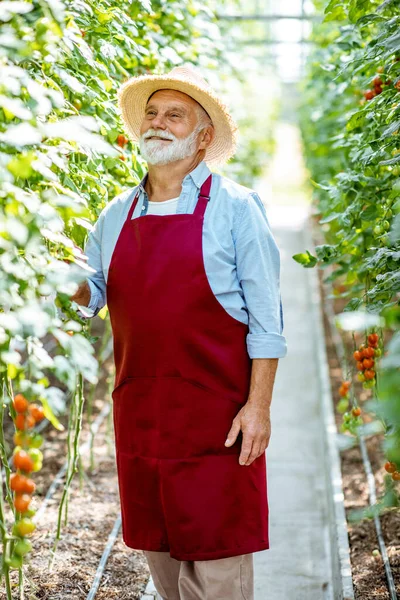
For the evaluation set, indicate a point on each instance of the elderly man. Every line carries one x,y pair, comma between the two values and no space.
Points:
189,269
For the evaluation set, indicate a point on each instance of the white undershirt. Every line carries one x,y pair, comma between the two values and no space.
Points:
164,207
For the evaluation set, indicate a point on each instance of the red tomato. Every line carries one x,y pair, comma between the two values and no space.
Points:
20,403
29,486
17,482
23,461
37,412
369,374
122,140
23,422
373,338
369,352
369,94
21,502
390,467
368,363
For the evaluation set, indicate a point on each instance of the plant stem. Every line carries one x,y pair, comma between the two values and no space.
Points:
78,402
105,340
5,539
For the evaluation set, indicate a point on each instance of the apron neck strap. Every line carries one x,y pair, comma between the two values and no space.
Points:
133,205
204,197
201,205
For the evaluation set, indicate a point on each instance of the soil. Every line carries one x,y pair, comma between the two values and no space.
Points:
369,578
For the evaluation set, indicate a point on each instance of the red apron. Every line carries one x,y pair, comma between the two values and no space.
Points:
182,374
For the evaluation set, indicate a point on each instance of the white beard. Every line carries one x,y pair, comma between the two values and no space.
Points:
156,152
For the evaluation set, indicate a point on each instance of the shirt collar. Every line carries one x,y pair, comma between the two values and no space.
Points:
198,176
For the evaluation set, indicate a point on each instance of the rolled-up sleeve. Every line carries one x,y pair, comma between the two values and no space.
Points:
258,270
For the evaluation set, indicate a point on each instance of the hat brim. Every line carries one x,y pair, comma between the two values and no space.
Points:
133,95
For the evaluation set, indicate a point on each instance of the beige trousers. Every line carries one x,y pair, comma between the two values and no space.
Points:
221,579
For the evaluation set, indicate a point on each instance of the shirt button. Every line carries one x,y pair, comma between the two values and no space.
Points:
143,207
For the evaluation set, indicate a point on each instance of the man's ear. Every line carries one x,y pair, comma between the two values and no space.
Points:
207,136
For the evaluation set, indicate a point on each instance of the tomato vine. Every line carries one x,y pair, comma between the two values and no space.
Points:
350,124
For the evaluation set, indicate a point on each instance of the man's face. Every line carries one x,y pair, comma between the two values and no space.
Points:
170,127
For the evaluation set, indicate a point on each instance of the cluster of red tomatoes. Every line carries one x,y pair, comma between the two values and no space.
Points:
365,362
391,468
377,84
27,458
351,420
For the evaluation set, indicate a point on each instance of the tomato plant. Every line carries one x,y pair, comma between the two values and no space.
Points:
350,124
61,140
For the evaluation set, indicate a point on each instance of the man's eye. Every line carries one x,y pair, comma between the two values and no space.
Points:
174,115
151,112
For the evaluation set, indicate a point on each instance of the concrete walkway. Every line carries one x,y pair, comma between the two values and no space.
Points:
297,564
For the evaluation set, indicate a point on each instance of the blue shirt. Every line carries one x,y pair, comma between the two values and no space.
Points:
240,254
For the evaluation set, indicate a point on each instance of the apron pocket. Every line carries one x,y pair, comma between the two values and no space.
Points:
171,417
196,423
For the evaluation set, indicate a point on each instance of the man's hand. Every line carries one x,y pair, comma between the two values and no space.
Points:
253,419
255,423
82,295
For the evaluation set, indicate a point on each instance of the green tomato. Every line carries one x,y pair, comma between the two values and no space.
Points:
378,352
24,527
36,440
15,561
36,455
377,230
389,214
368,384
37,466
29,513
342,405
22,547
343,427
386,225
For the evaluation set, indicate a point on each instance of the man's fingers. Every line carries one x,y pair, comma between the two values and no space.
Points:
233,433
255,452
245,452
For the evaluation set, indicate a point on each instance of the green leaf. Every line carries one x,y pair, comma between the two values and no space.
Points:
335,11
390,161
319,185
48,413
356,120
359,8
326,252
370,213
391,129
306,259
330,217
354,304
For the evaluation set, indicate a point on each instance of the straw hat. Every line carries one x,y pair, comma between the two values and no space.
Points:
133,95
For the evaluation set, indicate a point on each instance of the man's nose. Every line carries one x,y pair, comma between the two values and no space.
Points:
158,122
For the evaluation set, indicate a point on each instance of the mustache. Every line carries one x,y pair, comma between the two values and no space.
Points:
160,134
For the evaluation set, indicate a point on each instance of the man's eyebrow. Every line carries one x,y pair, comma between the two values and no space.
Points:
181,109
